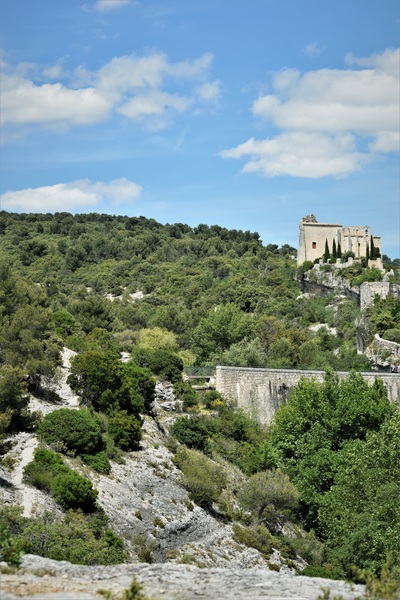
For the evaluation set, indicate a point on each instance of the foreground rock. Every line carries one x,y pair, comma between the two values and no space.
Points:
45,579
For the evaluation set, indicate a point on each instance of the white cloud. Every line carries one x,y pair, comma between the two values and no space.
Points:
70,196
209,91
386,141
334,110
133,86
300,154
312,49
154,104
387,61
108,5
24,102
54,72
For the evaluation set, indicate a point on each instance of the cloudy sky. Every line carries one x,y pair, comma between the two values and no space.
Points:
248,115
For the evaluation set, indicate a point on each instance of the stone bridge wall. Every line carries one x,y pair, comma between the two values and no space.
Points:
260,392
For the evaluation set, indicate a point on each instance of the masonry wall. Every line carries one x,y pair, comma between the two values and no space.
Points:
369,289
260,392
312,238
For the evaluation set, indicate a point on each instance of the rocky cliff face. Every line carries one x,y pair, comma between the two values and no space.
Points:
193,553
142,497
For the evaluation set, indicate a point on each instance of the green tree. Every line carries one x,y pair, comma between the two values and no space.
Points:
203,478
245,354
100,380
224,325
327,253
360,515
142,385
125,430
71,490
334,251
44,467
194,432
271,496
74,430
157,338
318,421
75,538
13,400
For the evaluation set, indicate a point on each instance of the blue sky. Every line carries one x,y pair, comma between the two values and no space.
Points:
248,115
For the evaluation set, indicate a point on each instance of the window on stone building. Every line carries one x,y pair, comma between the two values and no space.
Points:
314,245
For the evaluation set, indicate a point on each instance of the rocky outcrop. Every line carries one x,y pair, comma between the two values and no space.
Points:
45,579
322,283
383,353
193,551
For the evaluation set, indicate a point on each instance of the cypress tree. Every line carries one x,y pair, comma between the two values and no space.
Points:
334,253
372,251
327,254
367,254
339,250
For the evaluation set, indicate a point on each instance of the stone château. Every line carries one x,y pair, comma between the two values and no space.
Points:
313,237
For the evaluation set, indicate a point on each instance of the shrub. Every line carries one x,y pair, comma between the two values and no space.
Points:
125,430
167,365
194,432
328,572
77,538
71,490
99,462
393,335
144,548
77,430
134,592
306,266
202,477
184,391
269,495
10,548
210,398
100,378
142,382
45,466
259,538
368,275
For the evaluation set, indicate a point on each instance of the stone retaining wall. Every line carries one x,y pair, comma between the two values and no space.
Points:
260,392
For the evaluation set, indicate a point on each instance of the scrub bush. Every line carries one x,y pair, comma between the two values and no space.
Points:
71,490
99,462
77,430
125,430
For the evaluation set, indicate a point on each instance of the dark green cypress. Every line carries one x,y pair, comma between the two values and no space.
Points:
334,252
327,254
339,250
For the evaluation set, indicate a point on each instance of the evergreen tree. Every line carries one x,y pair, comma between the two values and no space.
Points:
368,255
339,250
334,252
372,251
327,254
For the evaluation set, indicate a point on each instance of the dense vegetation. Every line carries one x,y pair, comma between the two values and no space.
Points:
173,297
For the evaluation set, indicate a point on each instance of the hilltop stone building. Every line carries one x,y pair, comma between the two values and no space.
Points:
314,235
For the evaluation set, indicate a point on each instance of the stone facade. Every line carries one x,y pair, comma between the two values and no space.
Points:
260,392
313,237
383,289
